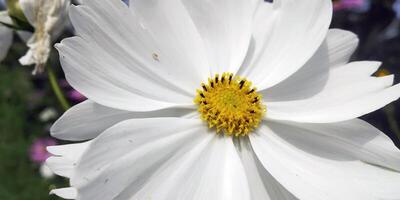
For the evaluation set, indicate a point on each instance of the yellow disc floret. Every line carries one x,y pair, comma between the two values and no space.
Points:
230,104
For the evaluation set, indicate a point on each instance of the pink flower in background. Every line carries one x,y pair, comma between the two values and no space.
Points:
361,5
38,152
72,94
76,96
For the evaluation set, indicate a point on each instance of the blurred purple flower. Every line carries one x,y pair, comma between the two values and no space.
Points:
76,96
72,94
38,152
63,83
356,5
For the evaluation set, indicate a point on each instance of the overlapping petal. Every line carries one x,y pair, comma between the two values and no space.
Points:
312,78
297,31
210,170
350,92
65,158
327,89
88,119
226,28
262,185
122,57
153,158
330,161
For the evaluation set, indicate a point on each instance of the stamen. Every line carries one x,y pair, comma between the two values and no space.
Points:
242,83
233,107
204,87
251,91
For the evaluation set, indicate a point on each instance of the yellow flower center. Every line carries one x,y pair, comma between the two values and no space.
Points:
230,104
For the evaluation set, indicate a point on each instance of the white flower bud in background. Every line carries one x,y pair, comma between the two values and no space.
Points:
47,18
46,172
48,114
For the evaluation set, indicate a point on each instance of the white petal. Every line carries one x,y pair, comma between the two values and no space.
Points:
342,45
151,61
60,166
65,158
6,38
88,119
77,57
65,193
297,32
147,156
311,79
325,163
5,18
134,148
182,50
226,28
262,185
359,138
210,170
349,93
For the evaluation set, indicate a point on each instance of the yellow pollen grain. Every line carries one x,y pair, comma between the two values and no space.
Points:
230,104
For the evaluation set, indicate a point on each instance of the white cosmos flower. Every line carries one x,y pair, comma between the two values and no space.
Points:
140,67
48,19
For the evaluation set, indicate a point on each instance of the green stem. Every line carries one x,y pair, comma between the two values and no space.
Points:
57,90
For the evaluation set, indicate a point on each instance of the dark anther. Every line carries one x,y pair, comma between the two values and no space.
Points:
251,91
216,79
222,79
204,88
242,83
252,112
212,84
205,102
255,100
230,78
202,95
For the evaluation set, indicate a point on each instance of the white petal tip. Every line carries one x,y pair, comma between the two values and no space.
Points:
52,150
66,193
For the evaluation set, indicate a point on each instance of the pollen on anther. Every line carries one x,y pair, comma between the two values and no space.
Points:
230,104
